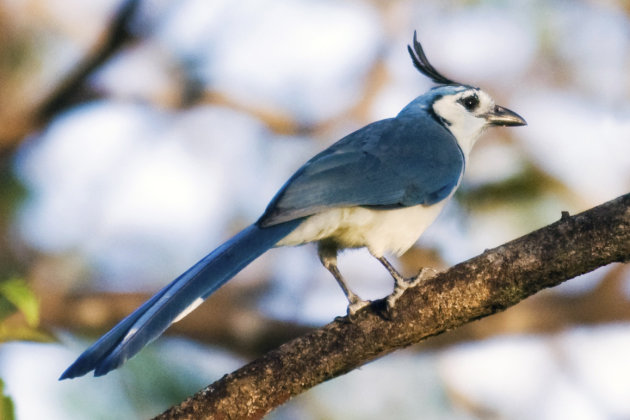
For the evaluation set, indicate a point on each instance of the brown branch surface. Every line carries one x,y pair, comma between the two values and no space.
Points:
481,286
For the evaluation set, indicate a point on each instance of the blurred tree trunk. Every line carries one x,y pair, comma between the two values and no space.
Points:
481,286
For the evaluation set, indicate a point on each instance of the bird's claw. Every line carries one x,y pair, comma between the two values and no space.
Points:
356,304
404,284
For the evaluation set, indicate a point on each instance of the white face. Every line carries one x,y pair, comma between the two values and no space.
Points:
464,113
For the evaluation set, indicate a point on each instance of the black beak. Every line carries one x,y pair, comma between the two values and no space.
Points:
504,117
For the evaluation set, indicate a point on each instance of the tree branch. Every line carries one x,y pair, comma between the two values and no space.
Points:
69,91
72,87
232,322
481,286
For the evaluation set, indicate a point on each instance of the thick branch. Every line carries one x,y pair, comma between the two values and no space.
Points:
479,287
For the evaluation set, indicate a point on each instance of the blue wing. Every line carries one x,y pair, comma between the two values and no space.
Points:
397,162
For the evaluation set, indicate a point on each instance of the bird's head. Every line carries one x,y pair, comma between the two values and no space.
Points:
465,110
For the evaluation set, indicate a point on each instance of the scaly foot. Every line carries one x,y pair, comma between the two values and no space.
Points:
356,305
403,284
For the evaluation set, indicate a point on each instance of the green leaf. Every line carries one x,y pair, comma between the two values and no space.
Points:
16,292
7,408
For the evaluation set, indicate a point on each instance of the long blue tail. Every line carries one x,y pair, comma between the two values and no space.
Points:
151,319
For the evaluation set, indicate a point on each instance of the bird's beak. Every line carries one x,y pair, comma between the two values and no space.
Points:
505,117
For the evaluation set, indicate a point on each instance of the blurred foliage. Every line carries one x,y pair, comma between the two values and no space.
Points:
17,298
531,183
16,295
153,380
11,192
7,408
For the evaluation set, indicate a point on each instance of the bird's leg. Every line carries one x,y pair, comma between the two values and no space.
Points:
328,257
400,280
402,283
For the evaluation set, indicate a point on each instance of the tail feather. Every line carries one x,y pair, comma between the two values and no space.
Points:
151,319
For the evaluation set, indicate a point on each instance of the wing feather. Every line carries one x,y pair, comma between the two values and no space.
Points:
397,162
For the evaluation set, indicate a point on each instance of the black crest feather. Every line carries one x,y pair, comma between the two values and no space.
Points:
421,62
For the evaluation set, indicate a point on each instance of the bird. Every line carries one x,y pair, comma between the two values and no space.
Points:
378,187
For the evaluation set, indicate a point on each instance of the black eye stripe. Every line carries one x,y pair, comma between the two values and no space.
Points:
470,102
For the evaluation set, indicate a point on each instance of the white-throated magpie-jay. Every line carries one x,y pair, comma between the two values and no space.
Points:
379,187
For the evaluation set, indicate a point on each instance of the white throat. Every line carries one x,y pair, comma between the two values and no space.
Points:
464,125
465,139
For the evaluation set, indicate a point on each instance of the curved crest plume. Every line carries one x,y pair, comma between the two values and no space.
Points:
421,62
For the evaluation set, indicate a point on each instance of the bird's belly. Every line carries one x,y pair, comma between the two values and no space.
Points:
381,231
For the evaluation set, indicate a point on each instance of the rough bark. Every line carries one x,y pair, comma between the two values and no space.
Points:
481,286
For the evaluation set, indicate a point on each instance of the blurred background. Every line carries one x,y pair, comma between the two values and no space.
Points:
135,136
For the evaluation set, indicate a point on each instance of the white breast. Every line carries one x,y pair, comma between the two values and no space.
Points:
381,231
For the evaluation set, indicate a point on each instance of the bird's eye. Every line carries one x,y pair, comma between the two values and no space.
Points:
470,102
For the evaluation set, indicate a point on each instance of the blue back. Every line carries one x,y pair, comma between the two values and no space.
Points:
404,161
